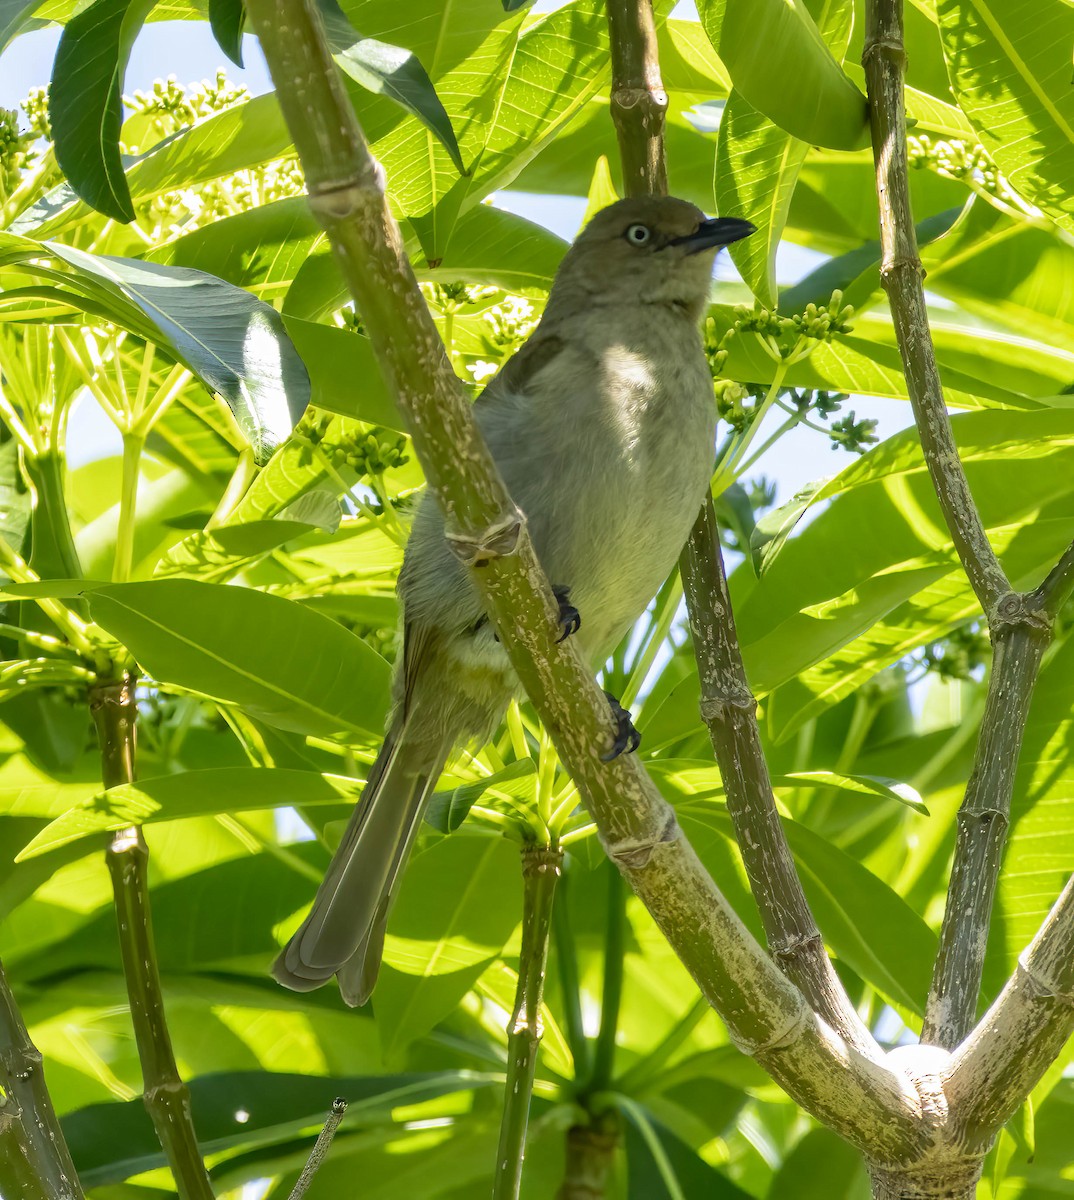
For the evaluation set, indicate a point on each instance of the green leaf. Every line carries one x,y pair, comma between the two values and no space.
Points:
390,71
447,810
236,345
15,18
459,903
86,105
1009,62
757,166
227,18
216,555
661,1166
112,1142
820,1167
778,61
862,785
191,794
280,661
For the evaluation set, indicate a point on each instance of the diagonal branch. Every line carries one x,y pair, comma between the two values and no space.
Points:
35,1163
1020,625
764,1011
730,712
727,704
1019,1037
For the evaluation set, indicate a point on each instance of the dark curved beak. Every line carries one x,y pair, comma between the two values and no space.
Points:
717,231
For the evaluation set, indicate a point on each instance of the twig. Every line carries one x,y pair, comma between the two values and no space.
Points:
167,1100
1054,592
901,273
765,1013
35,1163
1020,625
727,703
320,1149
540,873
569,986
730,712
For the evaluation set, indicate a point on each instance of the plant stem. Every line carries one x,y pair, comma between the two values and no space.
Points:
35,1163
54,552
590,1158
730,712
320,1149
540,873
765,1013
569,984
167,1099
983,820
133,444
639,102
70,624
1020,625
901,273
612,993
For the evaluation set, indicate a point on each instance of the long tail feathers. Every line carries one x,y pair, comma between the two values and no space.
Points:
344,932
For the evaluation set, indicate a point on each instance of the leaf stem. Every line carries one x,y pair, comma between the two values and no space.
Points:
541,867
569,983
612,994
35,1163
320,1149
115,714
133,445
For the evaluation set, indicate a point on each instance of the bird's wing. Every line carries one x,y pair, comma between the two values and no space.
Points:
517,375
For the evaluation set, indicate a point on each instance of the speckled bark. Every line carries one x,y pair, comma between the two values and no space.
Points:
638,99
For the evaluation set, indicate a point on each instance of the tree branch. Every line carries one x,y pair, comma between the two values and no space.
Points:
639,101
728,706
115,713
765,1013
884,60
1019,1037
540,874
983,820
730,712
1020,625
35,1163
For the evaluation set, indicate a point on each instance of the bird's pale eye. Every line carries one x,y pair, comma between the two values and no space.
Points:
638,235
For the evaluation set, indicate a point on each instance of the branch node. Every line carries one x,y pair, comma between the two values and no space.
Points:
336,200
889,48
634,856
1019,609
498,540
631,97
720,708
781,1038
789,949
1044,987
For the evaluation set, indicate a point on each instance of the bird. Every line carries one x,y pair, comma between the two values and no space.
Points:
603,428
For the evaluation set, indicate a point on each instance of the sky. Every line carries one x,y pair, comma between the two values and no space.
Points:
187,51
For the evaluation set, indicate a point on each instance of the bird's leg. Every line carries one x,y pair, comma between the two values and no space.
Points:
570,619
627,738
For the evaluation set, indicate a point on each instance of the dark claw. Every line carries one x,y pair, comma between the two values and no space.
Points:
627,738
570,619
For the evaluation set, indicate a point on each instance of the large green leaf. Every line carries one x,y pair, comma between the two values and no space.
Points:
112,1142
86,103
778,61
191,794
459,903
279,660
1009,62
236,345
757,166
388,70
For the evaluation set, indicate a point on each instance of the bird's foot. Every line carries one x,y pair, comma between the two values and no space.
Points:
570,619
627,738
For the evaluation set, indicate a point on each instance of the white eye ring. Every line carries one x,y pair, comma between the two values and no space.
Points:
638,235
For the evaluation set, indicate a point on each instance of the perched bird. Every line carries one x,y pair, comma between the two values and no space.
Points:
603,427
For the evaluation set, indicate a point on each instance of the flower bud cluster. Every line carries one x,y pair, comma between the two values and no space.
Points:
967,162
369,453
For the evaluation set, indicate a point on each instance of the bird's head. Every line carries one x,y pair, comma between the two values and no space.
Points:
652,249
